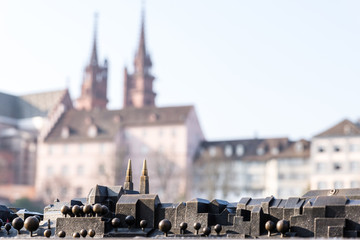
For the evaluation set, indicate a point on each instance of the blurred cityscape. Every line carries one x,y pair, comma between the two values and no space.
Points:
53,145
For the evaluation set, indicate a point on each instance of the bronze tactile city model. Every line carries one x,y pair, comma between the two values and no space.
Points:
120,211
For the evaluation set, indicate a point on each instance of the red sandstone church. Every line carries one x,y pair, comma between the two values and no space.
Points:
89,144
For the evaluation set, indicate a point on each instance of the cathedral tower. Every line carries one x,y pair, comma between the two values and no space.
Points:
94,85
138,87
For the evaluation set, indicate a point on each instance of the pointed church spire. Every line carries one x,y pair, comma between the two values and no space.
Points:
142,49
138,86
94,85
128,184
94,58
144,180
142,59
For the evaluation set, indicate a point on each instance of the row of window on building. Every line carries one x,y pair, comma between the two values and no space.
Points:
352,166
239,150
64,191
79,170
160,133
338,148
228,150
78,148
290,176
337,184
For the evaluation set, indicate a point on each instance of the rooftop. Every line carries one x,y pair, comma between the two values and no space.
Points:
31,105
100,124
343,128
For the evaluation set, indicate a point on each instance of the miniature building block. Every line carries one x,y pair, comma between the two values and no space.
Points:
71,225
322,227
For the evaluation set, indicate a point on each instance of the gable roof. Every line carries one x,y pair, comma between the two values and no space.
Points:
343,128
109,122
44,101
31,105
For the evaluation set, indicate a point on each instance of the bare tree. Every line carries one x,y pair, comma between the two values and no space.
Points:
56,187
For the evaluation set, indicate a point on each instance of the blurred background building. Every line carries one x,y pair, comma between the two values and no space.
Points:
21,120
336,157
91,145
51,148
252,167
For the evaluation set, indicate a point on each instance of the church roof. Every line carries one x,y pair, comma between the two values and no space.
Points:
31,105
94,57
142,57
343,128
109,122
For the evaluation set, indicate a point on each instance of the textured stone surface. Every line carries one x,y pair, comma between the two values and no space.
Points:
141,206
317,216
71,225
323,227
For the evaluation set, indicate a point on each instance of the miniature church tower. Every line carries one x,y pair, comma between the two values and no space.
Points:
128,184
94,85
138,87
144,180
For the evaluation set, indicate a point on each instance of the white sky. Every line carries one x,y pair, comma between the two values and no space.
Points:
271,68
